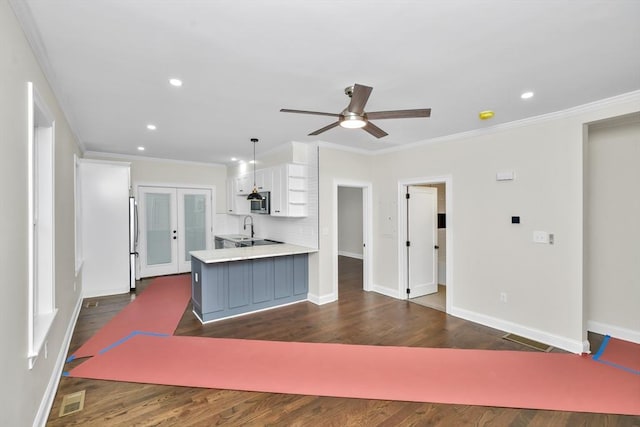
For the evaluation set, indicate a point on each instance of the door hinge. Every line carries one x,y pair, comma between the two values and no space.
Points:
408,243
408,291
436,247
407,196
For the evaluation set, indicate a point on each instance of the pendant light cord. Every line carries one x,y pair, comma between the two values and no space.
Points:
254,140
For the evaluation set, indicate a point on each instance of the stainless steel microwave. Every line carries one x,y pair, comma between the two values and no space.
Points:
262,206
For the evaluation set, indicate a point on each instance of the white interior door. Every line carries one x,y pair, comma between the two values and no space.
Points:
194,224
158,231
422,260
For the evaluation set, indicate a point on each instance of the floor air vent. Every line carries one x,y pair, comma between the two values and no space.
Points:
72,403
91,304
527,342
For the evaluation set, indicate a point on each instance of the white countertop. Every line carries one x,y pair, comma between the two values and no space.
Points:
250,252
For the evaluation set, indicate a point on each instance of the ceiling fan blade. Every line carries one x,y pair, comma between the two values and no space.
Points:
317,113
399,114
374,130
359,98
324,129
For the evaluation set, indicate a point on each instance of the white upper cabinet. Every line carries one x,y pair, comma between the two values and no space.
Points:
287,184
236,204
289,191
244,184
264,180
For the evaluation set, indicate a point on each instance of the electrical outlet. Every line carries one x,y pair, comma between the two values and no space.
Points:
503,297
540,237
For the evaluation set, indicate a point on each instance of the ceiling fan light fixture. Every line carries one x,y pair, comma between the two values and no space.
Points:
352,122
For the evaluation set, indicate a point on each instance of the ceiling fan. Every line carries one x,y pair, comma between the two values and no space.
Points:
354,116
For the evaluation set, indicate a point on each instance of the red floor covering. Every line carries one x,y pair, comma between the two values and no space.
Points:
157,309
515,379
129,349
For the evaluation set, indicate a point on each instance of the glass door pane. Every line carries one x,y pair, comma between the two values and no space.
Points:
158,222
158,231
195,234
194,219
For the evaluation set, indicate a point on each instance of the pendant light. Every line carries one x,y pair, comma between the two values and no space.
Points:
254,195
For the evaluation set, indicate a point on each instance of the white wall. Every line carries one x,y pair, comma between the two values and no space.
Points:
350,222
544,283
157,171
612,230
23,390
491,255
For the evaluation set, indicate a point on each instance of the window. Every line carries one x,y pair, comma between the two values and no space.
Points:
41,310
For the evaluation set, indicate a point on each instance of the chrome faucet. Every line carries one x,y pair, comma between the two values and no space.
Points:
244,224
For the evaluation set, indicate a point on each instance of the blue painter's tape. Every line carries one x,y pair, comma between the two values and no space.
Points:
603,346
65,373
128,337
601,350
615,365
71,358
153,334
117,343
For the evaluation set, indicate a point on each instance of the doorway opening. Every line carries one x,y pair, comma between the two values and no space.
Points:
352,233
424,244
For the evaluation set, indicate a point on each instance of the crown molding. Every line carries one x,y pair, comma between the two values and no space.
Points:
132,157
32,34
570,112
334,146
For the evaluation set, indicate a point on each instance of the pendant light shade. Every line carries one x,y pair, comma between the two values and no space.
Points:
254,195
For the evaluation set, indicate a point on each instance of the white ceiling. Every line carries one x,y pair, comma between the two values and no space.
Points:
109,62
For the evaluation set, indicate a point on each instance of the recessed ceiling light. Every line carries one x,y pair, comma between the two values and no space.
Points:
151,127
252,161
233,159
175,82
526,95
141,148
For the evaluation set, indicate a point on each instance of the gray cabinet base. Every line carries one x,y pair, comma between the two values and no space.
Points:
225,289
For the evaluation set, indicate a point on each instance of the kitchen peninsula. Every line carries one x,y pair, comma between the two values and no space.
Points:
232,281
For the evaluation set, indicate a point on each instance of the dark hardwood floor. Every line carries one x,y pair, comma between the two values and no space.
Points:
358,318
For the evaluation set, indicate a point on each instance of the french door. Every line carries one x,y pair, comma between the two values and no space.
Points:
173,222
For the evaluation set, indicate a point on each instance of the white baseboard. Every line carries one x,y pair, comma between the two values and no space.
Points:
393,293
322,299
50,393
557,341
350,254
104,292
614,331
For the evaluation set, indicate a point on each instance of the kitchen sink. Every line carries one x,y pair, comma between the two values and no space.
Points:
260,242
